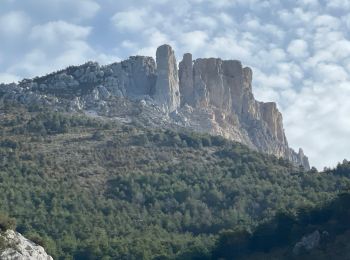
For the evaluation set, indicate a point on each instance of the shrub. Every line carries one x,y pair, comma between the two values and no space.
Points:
98,136
7,223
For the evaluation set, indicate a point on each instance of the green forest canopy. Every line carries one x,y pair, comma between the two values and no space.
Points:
88,188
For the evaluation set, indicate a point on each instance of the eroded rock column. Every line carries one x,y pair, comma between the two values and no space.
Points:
167,93
186,80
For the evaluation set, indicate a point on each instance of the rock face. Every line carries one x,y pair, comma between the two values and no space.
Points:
20,248
186,79
206,95
224,89
167,93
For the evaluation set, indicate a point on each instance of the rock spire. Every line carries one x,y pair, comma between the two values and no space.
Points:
167,93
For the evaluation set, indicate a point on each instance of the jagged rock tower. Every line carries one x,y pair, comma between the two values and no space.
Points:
167,93
206,95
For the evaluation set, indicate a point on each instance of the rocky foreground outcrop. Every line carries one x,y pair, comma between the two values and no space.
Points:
206,95
20,248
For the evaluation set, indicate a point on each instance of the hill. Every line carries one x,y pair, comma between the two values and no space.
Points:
95,188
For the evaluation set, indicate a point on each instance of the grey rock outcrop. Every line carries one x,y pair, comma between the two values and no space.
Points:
167,93
206,95
307,243
20,248
224,90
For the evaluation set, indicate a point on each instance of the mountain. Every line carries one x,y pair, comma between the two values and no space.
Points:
93,187
204,95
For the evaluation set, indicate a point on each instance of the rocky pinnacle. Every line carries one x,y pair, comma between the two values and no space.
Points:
208,95
167,93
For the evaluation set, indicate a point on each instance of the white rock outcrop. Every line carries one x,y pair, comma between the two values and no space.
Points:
20,248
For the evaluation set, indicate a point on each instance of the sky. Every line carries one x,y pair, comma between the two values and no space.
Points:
299,50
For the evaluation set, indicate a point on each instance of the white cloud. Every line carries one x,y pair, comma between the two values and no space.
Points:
158,1
330,73
76,52
225,48
225,19
129,20
74,11
8,78
326,21
55,32
154,38
272,56
129,45
58,44
319,57
346,20
216,3
85,9
253,24
296,17
134,20
309,3
221,3
298,48
13,23
292,69
343,5
205,21
319,123
273,81
192,41
33,63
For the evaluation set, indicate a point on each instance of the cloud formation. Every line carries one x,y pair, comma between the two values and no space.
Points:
299,50
13,23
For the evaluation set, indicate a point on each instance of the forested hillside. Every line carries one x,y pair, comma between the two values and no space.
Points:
313,234
93,188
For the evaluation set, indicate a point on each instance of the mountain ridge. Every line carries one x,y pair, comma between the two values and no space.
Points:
205,95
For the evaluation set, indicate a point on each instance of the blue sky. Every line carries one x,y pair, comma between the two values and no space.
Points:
299,50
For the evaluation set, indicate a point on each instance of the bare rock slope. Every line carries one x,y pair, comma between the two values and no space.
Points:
206,95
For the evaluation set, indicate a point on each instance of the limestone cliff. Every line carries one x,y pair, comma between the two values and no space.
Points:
224,89
206,95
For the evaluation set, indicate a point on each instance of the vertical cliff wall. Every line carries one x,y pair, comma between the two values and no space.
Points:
224,88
